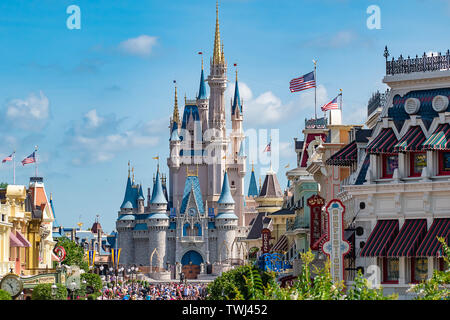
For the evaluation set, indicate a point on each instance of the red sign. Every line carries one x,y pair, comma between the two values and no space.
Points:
315,204
265,237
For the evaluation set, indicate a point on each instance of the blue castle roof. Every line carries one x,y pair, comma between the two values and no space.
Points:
225,196
253,188
202,90
126,217
158,215
141,193
158,194
227,215
140,227
237,99
128,194
190,110
192,184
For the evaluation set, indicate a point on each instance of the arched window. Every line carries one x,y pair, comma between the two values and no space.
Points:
186,229
198,229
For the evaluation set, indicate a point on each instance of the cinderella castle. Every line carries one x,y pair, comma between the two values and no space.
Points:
195,222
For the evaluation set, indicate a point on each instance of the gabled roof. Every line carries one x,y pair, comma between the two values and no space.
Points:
257,226
190,111
192,186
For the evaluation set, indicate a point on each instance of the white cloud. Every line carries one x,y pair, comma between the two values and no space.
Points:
339,39
30,113
93,120
140,46
98,138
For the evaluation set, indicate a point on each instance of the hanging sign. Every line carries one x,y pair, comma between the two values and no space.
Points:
315,204
265,237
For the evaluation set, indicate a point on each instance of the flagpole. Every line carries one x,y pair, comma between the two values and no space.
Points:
315,93
35,162
14,167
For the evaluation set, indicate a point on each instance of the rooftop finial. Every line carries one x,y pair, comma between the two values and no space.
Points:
128,168
217,56
176,116
132,171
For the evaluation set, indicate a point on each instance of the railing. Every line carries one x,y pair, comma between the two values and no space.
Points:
300,222
417,64
378,100
191,239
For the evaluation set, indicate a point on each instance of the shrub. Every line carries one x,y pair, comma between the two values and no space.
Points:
44,292
4,295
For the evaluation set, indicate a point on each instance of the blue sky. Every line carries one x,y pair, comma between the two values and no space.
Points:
96,97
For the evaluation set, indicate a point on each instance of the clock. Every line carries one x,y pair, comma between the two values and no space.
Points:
12,284
192,212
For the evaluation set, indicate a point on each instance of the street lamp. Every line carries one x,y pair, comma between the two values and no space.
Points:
72,287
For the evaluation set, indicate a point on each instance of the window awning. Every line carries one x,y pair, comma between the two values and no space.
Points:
380,238
408,239
440,139
411,141
22,239
281,245
384,142
430,246
13,241
344,157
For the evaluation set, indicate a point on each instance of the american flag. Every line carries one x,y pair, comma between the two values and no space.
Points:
332,105
8,158
306,81
267,149
30,159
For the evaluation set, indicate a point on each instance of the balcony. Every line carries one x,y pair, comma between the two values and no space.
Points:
300,223
191,239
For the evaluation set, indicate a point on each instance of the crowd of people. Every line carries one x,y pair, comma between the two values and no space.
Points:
162,291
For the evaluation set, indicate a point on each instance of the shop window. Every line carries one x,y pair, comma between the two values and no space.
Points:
419,269
390,163
444,163
390,270
417,161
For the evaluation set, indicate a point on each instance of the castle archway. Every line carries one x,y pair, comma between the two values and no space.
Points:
190,262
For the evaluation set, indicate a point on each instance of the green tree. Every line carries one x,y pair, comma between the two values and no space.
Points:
4,295
436,288
44,292
3,185
74,253
93,281
248,283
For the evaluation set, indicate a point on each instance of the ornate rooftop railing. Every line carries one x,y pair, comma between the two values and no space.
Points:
417,64
316,123
377,100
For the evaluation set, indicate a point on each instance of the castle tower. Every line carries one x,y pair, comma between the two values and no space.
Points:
217,81
226,222
158,223
202,102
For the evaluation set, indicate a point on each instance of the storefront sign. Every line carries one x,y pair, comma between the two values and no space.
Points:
315,204
265,237
336,247
31,282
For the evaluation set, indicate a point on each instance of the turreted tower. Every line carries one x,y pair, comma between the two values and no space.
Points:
203,102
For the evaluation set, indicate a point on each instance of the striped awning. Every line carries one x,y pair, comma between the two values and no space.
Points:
384,142
440,139
408,239
411,141
13,241
22,239
430,246
344,157
281,245
380,239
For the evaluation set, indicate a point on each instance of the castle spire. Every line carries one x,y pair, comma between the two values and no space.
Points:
202,90
176,115
237,97
218,55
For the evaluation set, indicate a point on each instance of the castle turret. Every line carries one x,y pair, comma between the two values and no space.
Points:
158,223
202,102
226,222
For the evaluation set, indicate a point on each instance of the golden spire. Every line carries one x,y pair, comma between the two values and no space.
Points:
176,116
128,168
253,167
132,171
218,54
